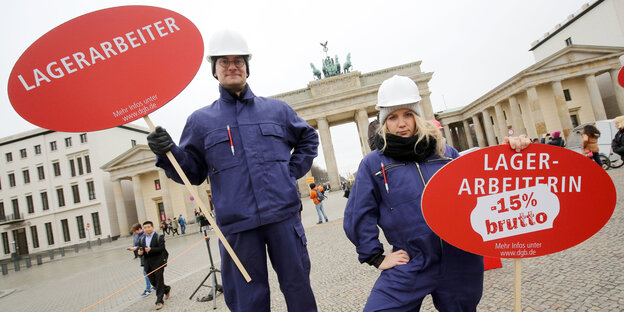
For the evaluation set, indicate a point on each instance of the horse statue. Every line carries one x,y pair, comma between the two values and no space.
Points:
315,72
337,65
347,65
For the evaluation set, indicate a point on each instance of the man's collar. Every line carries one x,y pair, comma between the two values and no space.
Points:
245,94
150,234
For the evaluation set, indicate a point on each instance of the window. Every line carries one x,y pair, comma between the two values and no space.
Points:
49,233
91,190
575,120
81,229
11,179
79,161
37,149
72,167
26,175
83,138
44,201
40,172
29,204
9,157
2,214
87,164
68,142
76,193
16,212
96,223
57,168
23,153
60,196
133,143
5,243
53,146
35,236
157,184
566,94
65,226
568,41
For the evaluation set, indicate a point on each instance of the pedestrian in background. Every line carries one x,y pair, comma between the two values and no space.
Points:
137,230
618,141
387,194
316,194
152,248
590,143
182,224
174,226
556,139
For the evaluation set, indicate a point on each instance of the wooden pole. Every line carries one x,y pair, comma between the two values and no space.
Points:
517,285
201,204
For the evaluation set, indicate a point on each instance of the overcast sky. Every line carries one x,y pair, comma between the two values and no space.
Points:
470,46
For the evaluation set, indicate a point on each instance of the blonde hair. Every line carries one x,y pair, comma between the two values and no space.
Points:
426,130
619,122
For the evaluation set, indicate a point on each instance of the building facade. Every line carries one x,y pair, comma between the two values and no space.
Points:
52,191
573,82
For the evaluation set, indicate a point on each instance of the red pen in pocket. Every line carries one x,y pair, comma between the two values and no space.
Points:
383,170
231,142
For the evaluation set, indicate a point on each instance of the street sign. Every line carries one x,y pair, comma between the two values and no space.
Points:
88,225
499,203
621,76
510,132
105,68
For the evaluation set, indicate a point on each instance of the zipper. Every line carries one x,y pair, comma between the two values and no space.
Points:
388,167
424,185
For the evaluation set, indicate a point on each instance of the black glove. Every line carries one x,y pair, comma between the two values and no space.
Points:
160,141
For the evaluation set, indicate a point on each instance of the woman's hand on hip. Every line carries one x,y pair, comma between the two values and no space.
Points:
391,260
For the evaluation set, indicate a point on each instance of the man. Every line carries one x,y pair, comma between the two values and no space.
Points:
243,143
152,248
182,224
137,230
317,196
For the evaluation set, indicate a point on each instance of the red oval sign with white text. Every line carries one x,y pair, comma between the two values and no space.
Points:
500,203
105,68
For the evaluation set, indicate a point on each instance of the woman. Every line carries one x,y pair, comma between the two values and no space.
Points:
618,141
590,143
556,139
387,193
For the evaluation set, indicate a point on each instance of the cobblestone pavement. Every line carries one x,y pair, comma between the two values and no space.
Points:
587,277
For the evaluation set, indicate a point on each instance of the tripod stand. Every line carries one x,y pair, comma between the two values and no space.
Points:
213,271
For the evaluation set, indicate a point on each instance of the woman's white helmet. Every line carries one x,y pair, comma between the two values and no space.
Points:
395,93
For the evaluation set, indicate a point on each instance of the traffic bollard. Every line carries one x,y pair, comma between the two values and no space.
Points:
28,262
5,269
16,265
39,260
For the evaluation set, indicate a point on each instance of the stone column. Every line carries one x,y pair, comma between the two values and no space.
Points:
500,120
536,111
425,103
562,108
122,216
304,189
489,130
328,151
527,120
361,120
166,195
595,98
619,90
479,131
468,134
138,198
448,135
516,117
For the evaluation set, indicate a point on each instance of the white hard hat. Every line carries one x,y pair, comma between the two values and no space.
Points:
227,42
398,92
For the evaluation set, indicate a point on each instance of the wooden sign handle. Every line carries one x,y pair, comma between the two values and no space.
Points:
517,285
201,204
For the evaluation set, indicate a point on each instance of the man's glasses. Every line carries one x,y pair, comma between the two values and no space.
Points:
225,63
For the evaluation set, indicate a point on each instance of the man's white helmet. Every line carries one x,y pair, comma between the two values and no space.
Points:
395,93
227,42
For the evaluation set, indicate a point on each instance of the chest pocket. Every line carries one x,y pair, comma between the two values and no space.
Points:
218,152
274,143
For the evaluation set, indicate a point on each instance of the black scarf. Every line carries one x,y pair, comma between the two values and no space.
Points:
406,149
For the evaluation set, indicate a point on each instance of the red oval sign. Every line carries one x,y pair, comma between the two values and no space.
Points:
500,203
105,68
